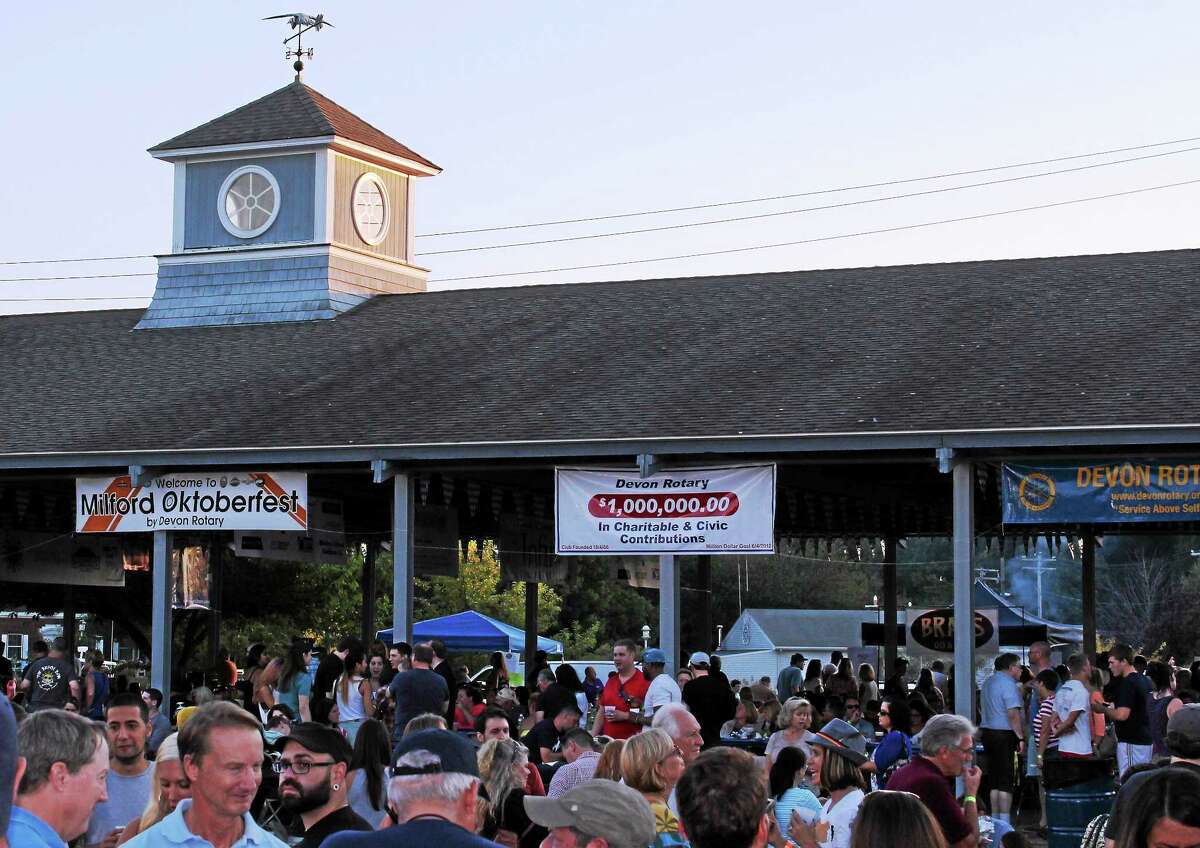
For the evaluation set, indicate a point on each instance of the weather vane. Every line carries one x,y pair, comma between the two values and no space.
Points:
303,23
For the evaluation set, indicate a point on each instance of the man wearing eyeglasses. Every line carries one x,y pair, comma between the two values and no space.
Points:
312,782
947,749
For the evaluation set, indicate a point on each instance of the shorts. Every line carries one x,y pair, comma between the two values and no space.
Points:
1000,748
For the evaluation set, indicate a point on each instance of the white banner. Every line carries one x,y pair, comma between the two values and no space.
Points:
720,510
204,500
325,541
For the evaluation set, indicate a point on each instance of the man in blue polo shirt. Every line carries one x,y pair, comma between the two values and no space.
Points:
1002,731
11,766
66,762
221,748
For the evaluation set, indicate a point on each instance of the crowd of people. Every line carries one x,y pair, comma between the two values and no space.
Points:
394,745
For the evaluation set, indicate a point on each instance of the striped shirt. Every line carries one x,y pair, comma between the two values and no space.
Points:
1045,710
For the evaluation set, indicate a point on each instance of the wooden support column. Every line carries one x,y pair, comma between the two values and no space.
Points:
668,610
403,517
531,629
160,614
216,565
891,601
1089,594
964,589
704,611
368,593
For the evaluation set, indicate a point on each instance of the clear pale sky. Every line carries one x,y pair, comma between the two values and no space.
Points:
540,111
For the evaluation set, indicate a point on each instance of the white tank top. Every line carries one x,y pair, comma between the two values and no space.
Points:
350,709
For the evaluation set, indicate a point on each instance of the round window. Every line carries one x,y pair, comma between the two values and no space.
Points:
248,201
370,208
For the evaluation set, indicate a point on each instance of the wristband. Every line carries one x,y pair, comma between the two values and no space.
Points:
969,799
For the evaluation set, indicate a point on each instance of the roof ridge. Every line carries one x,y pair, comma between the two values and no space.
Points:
311,103
255,102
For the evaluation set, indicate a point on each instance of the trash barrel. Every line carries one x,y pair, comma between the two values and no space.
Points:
1077,790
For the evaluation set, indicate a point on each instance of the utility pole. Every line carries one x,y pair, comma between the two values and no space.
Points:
1039,568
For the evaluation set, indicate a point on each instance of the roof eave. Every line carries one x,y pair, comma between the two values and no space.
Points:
219,150
969,440
339,143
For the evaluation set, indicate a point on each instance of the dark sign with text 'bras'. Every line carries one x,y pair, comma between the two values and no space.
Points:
932,631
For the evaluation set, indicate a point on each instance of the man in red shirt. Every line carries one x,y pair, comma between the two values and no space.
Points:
947,747
623,694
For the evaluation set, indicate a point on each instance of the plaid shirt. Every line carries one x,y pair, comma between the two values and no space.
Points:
571,775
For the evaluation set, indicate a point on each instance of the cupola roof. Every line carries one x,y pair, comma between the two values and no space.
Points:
293,112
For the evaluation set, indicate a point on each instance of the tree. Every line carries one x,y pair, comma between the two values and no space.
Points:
477,587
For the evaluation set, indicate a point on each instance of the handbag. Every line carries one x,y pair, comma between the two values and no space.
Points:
509,838
1106,746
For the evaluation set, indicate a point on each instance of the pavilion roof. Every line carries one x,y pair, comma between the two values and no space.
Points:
1016,345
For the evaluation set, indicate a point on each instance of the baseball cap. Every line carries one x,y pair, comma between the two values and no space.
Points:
601,808
457,755
698,659
654,655
845,738
319,739
1184,727
8,760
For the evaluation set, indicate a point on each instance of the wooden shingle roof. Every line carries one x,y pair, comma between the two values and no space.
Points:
294,111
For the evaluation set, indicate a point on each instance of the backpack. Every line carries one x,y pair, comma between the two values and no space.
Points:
900,763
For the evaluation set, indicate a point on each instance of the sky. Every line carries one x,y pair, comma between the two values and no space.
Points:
540,111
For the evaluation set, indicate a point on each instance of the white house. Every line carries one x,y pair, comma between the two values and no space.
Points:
762,641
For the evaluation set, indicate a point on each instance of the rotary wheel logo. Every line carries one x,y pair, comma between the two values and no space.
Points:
1036,491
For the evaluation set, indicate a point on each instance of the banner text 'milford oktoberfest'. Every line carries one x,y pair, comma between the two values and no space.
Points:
240,500
720,510
1102,492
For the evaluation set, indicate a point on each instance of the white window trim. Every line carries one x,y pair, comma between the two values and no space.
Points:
230,227
371,177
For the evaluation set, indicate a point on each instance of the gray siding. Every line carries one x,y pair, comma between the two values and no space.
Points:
268,290
746,635
294,223
395,243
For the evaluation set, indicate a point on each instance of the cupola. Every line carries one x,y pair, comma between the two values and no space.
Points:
290,208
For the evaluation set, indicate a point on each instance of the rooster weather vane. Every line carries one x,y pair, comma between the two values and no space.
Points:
302,23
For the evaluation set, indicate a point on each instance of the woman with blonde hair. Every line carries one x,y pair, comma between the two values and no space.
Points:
168,786
608,767
504,771
795,717
652,764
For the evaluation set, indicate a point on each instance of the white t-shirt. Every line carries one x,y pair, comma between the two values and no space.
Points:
663,690
840,817
1073,696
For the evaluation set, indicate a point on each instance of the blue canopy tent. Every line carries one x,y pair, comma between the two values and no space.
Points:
474,631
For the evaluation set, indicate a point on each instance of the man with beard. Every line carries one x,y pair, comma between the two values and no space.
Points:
312,782
129,781
222,753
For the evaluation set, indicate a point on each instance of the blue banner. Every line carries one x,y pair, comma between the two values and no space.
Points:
1092,493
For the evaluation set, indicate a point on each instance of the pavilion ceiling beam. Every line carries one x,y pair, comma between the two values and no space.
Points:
383,470
140,475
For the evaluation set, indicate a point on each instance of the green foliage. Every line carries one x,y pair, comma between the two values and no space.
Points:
477,587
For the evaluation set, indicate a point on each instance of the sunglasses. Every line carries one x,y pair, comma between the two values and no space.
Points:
852,706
